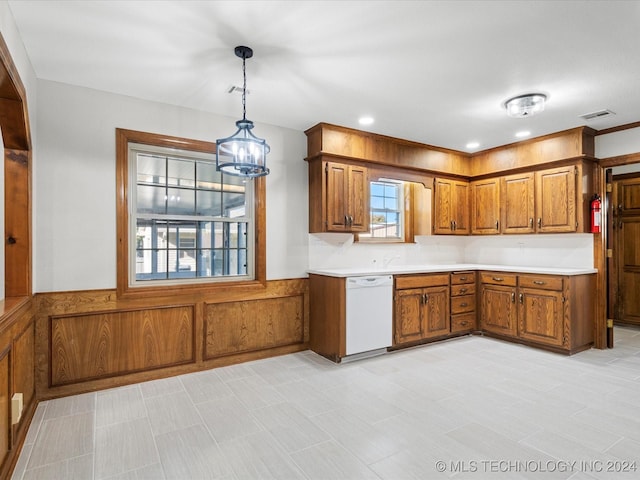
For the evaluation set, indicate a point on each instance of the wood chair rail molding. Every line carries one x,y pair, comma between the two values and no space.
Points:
330,140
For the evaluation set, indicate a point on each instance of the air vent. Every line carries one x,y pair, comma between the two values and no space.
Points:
597,115
236,89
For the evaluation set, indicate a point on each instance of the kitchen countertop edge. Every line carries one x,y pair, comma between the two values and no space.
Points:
417,269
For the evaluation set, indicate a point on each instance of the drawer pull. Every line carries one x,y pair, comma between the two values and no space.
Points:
463,279
463,290
464,304
513,297
539,282
464,324
498,279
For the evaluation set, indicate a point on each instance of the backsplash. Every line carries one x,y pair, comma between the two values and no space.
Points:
338,250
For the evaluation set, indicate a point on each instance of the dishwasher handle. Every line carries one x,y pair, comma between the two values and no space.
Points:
369,281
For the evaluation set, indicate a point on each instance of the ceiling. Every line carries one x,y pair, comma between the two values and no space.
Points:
435,72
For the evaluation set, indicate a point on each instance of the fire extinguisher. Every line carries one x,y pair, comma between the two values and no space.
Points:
596,213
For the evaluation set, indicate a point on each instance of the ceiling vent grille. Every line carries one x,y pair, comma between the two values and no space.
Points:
597,115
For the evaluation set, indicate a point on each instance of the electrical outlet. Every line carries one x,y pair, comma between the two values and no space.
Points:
16,408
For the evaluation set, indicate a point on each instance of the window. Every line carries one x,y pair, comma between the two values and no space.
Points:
186,223
386,210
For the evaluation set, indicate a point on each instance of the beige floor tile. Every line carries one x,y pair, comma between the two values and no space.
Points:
227,419
78,467
331,461
119,405
170,412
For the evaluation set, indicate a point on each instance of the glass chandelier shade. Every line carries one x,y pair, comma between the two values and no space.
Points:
525,105
243,154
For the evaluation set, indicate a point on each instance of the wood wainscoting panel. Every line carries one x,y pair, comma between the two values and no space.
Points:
23,363
5,405
104,344
250,325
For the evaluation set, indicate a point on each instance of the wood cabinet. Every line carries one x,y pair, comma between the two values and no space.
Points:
518,203
421,308
451,207
544,310
556,202
338,197
498,303
463,302
485,206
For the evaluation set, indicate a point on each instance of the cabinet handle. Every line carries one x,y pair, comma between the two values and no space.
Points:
463,279
455,225
498,279
426,298
350,220
539,282
346,220
531,222
497,224
463,290
464,304
513,297
521,298
540,223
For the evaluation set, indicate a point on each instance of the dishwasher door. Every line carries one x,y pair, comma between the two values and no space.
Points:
369,313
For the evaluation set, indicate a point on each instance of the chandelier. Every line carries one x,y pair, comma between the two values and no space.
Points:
243,154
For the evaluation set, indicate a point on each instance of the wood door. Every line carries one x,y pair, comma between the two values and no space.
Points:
485,206
629,270
498,310
629,196
518,203
556,199
541,316
435,312
337,196
442,207
460,203
358,199
408,317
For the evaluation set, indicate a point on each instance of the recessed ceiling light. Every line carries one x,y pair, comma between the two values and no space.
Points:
523,133
525,105
473,145
365,120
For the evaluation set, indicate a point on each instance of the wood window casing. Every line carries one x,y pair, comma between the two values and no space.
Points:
124,289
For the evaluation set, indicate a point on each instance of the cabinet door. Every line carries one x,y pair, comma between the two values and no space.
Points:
408,317
556,199
518,203
442,207
435,312
337,195
498,310
485,206
460,204
541,316
358,199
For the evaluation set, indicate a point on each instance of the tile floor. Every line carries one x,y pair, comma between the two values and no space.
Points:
472,407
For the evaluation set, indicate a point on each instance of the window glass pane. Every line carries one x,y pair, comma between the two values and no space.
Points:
218,255
377,202
204,263
151,199
233,235
207,176
377,189
208,203
205,234
391,203
151,234
181,172
233,262
151,169
184,265
242,235
242,256
180,201
233,204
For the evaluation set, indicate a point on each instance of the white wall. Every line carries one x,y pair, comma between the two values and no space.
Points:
618,143
75,210
554,250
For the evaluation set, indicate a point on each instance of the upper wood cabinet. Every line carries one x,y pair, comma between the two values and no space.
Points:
338,197
485,206
556,199
451,207
518,203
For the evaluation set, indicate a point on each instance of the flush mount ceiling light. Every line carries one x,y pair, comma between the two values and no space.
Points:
525,105
243,154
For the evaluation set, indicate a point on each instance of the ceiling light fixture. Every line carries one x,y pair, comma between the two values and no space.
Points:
472,145
365,120
525,105
523,133
243,154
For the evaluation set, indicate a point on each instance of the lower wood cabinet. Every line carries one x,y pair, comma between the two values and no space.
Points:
546,310
421,308
463,302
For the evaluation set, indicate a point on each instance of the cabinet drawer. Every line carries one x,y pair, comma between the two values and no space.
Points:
464,322
545,282
463,277
498,278
466,303
419,281
464,289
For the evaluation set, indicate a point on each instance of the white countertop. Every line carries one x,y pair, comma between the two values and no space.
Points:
430,268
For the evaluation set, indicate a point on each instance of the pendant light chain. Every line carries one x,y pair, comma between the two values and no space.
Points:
244,88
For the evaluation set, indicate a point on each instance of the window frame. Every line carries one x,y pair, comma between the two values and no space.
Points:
400,185
124,287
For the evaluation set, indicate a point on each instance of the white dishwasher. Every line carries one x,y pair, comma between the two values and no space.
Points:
369,313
